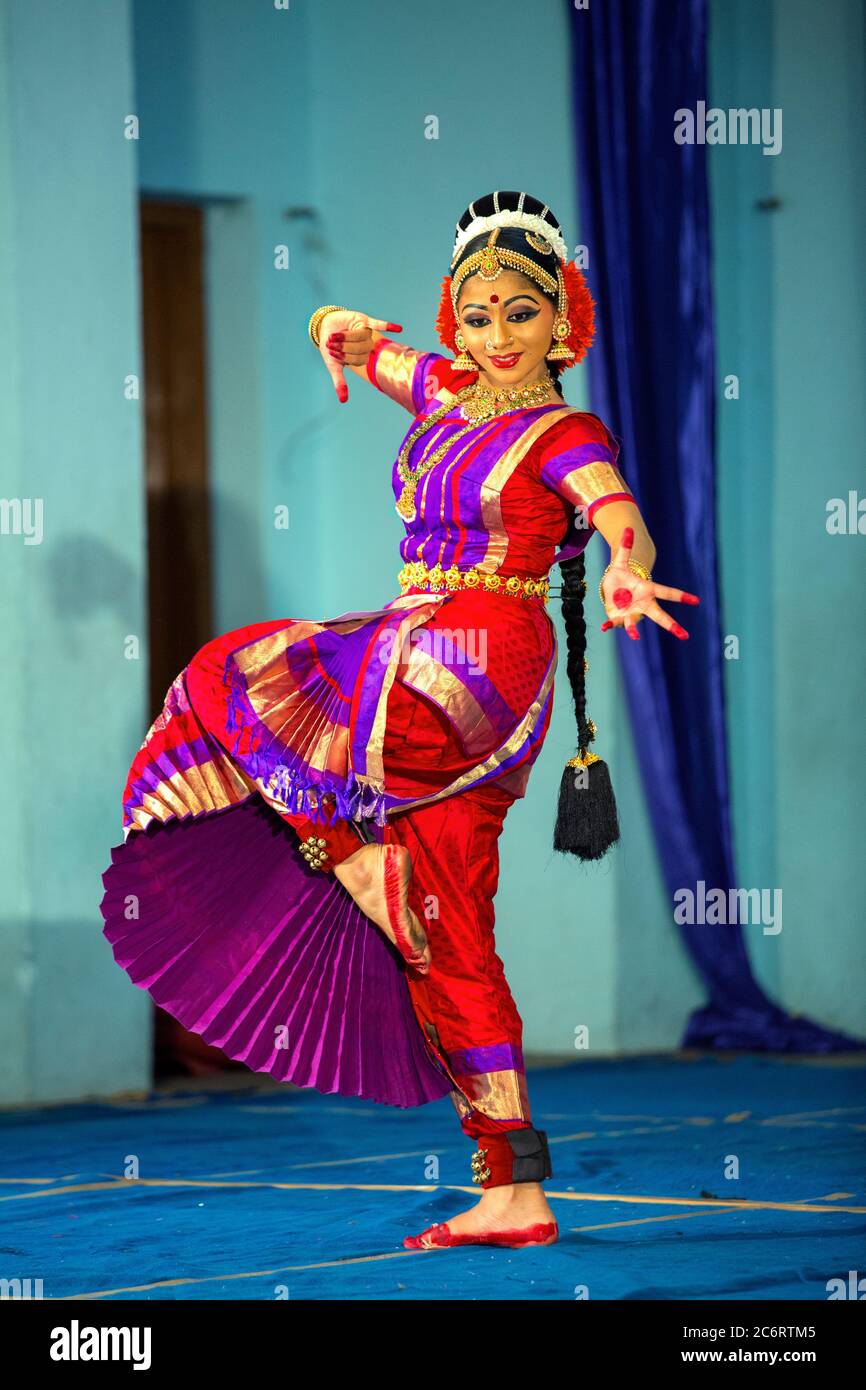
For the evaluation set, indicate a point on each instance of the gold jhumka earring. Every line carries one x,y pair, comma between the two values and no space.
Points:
560,352
463,362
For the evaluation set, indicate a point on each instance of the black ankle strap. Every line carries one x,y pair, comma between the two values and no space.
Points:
531,1155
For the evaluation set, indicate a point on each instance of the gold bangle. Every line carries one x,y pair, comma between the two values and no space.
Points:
316,319
636,568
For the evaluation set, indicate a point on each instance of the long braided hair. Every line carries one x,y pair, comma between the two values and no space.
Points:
587,824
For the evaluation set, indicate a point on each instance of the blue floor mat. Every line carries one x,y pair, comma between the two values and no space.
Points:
279,1193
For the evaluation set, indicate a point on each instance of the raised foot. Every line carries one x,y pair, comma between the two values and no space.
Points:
378,877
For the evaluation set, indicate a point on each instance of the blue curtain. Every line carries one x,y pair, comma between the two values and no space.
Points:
646,223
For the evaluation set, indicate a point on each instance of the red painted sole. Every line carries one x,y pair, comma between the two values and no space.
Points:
397,913
441,1238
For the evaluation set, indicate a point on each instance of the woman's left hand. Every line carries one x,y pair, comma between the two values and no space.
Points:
628,598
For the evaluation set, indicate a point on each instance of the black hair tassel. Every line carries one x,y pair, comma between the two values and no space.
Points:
586,822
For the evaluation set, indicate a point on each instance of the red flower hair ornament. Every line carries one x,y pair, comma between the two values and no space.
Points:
580,314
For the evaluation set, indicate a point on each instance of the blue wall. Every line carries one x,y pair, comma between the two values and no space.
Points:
73,685
790,302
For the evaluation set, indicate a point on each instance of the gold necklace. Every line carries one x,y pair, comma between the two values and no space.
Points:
410,477
477,403
485,402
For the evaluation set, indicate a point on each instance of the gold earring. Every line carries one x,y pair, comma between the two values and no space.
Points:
560,352
463,362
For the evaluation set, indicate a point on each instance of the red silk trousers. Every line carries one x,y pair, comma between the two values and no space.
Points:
464,1004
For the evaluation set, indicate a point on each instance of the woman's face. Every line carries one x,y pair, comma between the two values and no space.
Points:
508,327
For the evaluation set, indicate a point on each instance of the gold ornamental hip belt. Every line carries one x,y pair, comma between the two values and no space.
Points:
418,575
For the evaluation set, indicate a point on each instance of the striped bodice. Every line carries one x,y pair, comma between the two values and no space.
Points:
514,494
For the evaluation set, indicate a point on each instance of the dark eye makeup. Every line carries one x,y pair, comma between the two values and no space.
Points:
518,316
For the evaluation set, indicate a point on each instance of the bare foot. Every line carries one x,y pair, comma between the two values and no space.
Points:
378,876
504,1209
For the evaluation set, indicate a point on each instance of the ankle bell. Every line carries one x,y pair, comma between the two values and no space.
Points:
314,850
480,1171
517,1155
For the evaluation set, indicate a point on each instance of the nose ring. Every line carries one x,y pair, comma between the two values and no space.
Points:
489,346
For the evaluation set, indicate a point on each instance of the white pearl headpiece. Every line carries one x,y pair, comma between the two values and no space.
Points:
510,217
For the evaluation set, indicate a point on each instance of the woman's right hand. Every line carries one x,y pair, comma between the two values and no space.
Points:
346,339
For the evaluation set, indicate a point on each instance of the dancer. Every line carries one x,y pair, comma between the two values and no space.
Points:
311,825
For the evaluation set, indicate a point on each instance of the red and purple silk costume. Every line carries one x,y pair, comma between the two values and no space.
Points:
424,718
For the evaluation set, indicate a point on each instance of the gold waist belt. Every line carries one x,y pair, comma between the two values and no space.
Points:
417,575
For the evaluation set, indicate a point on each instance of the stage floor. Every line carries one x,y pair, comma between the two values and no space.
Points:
249,1190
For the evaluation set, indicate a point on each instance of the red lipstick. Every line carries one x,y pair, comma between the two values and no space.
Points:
510,361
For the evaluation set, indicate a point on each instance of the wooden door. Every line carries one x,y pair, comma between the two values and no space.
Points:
178,501
176,469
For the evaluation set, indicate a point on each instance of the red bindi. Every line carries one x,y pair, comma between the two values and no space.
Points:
494,299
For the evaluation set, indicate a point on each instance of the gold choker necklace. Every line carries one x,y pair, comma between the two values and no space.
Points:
483,402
